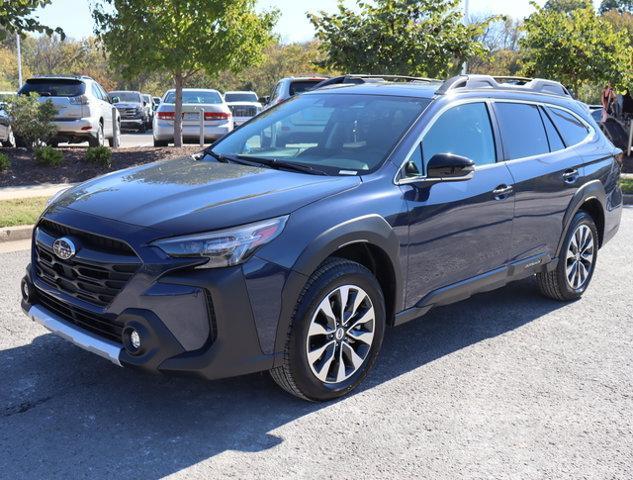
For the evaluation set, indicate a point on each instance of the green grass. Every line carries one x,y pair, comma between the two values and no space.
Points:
23,211
627,185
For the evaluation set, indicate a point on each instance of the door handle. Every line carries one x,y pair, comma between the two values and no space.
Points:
570,176
502,191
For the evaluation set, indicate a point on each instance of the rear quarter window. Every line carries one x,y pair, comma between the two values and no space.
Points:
570,128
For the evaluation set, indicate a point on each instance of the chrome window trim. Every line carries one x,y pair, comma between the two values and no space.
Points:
489,102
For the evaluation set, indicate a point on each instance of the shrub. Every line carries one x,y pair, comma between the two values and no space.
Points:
5,163
31,120
101,156
48,156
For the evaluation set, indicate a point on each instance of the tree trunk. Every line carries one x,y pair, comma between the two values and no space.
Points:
178,111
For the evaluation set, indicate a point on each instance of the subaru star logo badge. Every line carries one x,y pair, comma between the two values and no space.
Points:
64,248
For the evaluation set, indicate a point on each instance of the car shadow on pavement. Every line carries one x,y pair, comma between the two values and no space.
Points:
65,412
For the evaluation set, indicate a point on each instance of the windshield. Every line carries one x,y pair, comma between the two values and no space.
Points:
127,96
241,97
195,97
50,87
336,133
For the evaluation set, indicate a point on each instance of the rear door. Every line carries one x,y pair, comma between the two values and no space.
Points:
458,230
546,172
104,107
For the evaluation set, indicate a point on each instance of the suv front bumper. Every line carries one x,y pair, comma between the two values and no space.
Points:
211,323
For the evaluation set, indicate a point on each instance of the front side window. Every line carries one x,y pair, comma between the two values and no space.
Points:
571,129
334,133
522,130
463,130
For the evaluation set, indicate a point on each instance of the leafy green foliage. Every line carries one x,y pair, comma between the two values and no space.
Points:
101,156
575,47
48,156
423,37
566,6
31,119
182,38
621,6
5,163
15,17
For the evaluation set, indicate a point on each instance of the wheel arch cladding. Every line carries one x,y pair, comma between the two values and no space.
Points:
590,198
368,238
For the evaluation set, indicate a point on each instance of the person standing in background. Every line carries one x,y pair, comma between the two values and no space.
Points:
608,101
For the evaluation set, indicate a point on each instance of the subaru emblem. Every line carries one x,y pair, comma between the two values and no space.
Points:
64,248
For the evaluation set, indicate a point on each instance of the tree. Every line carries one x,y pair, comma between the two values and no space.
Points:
566,6
182,38
621,6
408,37
575,47
15,17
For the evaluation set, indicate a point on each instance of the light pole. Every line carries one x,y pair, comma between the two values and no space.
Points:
17,41
465,64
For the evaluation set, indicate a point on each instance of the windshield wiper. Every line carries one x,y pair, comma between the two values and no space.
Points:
276,163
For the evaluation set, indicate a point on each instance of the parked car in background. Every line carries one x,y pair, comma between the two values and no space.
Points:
84,111
218,119
148,104
295,257
155,103
290,86
243,104
7,139
129,103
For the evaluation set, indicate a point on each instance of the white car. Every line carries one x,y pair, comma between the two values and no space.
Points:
84,111
218,119
244,105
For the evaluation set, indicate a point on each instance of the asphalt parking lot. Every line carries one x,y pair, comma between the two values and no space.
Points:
506,385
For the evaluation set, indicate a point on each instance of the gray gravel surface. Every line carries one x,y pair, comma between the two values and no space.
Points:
506,385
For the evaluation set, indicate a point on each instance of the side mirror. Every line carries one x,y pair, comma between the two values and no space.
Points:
450,168
115,99
264,100
145,104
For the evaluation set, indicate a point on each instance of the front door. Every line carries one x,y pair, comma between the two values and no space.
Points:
457,230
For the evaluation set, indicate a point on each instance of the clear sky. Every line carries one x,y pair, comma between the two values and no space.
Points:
74,15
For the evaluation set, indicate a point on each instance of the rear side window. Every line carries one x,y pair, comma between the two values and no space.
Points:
571,129
463,130
51,87
301,86
555,142
522,130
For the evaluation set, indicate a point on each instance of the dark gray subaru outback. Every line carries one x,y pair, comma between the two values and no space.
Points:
293,242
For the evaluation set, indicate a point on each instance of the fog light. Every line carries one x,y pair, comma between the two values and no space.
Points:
135,340
26,291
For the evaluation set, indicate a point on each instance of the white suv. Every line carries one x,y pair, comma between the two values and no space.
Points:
84,111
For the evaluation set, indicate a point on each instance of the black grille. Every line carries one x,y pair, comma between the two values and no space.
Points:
243,111
96,282
129,113
101,325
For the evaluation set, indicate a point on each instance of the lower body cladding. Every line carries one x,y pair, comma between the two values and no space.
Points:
164,130
198,322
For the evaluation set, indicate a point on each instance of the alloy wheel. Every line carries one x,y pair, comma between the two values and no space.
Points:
580,257
341,334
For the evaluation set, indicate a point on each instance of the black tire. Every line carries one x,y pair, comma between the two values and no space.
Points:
555,284
53,143
160,143
142,128
116,130
99,140
295,374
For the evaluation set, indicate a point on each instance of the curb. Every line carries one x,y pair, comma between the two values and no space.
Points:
628,198
11,234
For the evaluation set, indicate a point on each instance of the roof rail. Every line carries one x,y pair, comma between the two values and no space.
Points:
516,84
61,75
357,78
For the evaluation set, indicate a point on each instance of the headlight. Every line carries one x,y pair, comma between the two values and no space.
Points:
224,248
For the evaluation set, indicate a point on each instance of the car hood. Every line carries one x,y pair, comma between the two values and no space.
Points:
185,195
